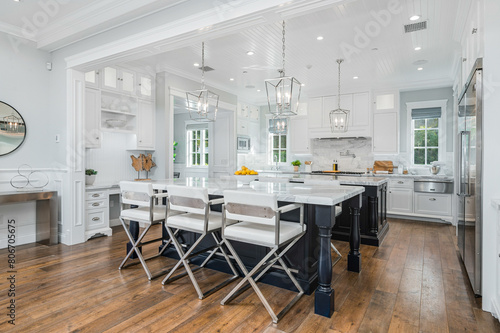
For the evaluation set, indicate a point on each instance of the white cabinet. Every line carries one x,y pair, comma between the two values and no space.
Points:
472,39
242,111
359,116
146,125
299,138
433,204
255,136
92,118
400,196
92,79
400,201
386,123
385,133
242,127
118,79
97,214
254,112
146,85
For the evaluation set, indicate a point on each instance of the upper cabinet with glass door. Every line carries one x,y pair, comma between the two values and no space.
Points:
118,79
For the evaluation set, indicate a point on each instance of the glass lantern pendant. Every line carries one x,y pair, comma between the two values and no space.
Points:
202,104
339,117
278,125
283,93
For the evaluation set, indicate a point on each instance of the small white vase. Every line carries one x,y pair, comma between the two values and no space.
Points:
89,180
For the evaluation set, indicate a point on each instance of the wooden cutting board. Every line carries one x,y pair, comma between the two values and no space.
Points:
383,166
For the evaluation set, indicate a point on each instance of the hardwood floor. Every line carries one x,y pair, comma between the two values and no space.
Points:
412,283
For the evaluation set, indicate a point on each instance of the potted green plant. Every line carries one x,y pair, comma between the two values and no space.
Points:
296,165
90,176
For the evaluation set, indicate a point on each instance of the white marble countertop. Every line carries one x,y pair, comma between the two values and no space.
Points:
103,186
327,195
344,180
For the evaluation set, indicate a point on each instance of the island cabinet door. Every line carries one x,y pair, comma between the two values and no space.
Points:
382,206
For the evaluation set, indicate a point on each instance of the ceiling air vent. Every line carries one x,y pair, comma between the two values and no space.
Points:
415,26
207,68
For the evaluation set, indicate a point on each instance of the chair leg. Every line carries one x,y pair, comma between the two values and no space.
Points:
134,248
339,256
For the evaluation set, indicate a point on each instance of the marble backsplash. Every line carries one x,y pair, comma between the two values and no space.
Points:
358,151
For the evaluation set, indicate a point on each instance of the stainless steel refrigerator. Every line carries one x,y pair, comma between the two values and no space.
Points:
469,175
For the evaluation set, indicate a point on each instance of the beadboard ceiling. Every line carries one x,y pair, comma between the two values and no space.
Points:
386,59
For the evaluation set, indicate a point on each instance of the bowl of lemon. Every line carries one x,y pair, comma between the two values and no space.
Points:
246,175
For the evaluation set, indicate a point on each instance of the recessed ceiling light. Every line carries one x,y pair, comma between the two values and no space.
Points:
258,90
355,77
302,84
420,69
231,79
414,17
418,48
319,38
250,53
17,0
196,64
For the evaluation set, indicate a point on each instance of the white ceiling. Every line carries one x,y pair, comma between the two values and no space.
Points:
56,23
312,62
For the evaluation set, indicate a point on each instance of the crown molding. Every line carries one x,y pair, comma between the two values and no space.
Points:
14,31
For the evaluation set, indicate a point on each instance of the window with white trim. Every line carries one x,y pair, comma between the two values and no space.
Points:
427,139
197,145
277,145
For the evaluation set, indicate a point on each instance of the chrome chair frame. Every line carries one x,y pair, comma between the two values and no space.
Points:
267,262
185,256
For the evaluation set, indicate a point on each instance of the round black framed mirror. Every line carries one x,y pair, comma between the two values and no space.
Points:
12,129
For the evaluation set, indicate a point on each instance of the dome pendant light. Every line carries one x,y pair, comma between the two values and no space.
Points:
202,104
283,93
339,117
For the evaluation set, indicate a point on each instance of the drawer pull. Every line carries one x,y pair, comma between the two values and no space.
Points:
95,219
432,199
95,204
401,182
95,195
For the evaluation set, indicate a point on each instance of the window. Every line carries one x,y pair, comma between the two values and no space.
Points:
197,146
278,148
427,139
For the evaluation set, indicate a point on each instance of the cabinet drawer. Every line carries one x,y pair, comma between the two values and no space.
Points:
433,204
95,219
96,195
97,204
401,182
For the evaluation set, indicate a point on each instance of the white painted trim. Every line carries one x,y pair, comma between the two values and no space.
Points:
14,31
38,169
442,103
495,309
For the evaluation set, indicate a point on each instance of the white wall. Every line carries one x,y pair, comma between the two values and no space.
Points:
491,157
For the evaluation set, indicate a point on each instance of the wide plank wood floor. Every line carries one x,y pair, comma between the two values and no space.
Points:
412,283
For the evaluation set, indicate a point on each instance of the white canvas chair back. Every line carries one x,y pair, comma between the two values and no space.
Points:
136,193
251,207
187,199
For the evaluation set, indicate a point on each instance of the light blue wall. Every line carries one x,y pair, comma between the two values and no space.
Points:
421,96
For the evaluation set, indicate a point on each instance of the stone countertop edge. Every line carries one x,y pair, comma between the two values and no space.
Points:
101,186
395,175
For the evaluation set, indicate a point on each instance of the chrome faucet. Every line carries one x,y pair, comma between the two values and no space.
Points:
275,167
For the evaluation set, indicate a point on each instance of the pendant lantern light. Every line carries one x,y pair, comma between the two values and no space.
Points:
283,93
339,117
278,125
202,104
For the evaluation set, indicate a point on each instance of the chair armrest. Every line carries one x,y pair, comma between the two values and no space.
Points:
287,208
217,201
160,195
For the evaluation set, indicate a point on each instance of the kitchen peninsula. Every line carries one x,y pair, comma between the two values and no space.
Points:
319,216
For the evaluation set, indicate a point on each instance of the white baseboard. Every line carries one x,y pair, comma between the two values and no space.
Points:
495,309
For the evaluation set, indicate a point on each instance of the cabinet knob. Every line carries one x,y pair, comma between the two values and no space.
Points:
97,138
432,199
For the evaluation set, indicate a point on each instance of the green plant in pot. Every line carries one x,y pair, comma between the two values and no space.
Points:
296,165
90,175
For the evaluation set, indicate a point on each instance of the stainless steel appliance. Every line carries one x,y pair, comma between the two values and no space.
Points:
469,175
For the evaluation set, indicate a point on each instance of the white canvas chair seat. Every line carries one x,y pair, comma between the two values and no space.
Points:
141,214
192,208
147,212
195,222
259,223
262,234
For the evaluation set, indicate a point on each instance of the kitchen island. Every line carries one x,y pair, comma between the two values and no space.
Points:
311,256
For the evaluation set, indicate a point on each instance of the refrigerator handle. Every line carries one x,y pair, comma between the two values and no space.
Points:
460,162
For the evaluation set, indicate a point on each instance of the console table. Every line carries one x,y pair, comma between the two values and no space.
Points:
46,212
